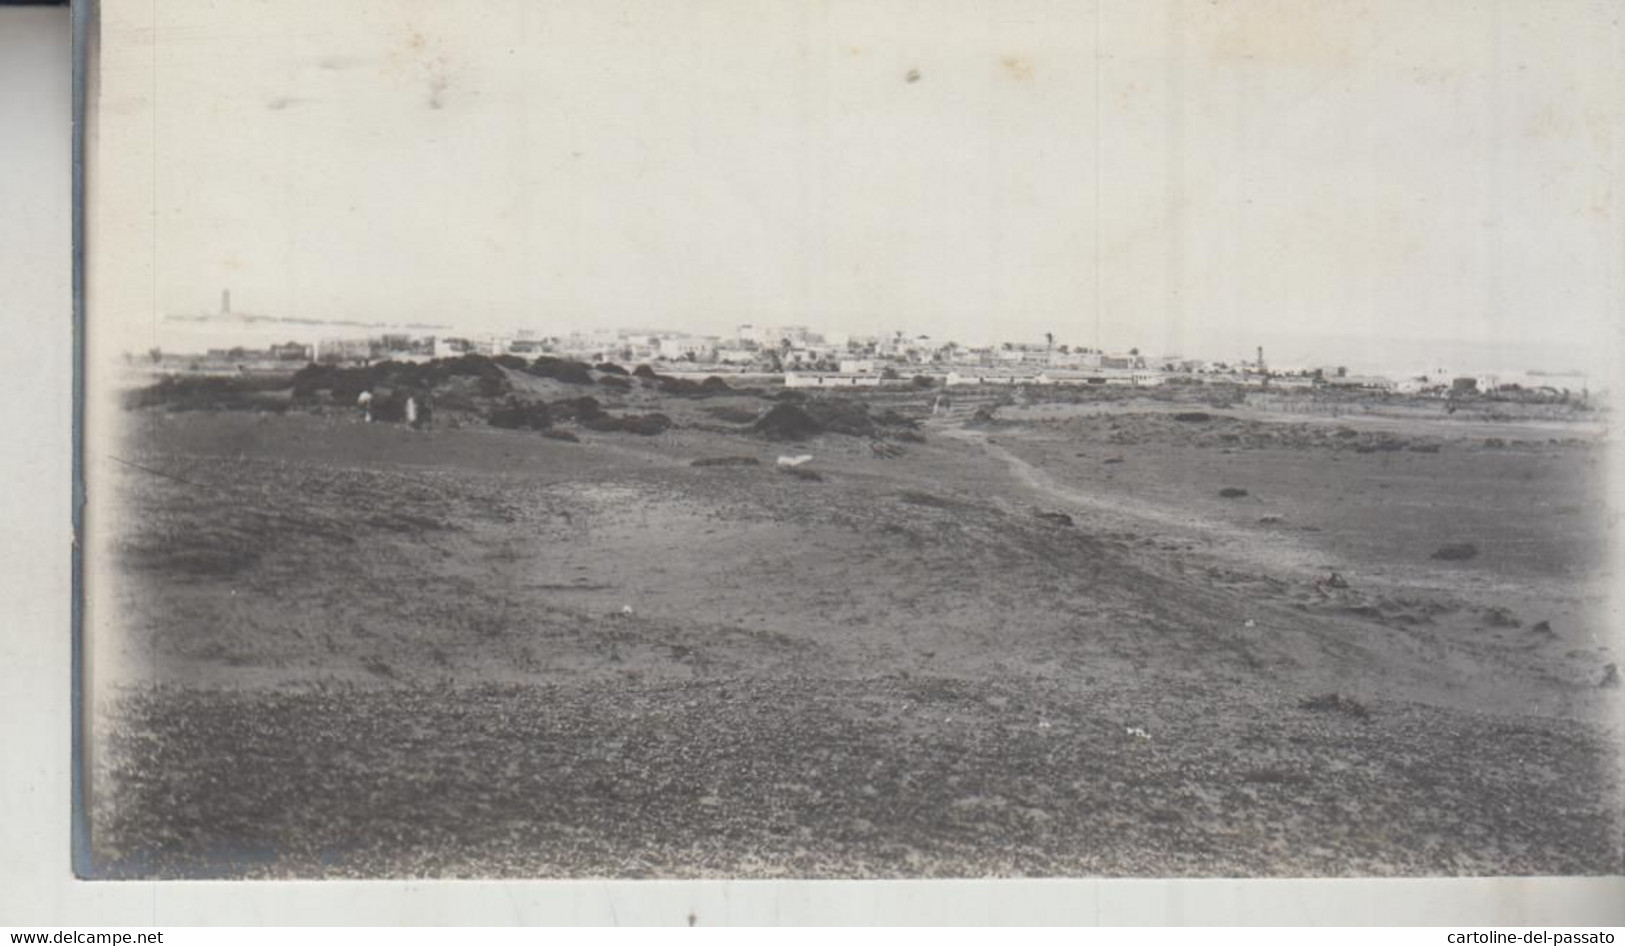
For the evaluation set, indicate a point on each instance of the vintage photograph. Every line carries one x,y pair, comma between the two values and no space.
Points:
839,439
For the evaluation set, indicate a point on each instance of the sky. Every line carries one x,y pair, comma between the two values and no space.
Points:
1408,180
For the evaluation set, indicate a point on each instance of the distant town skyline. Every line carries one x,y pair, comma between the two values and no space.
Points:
1399,180
195,332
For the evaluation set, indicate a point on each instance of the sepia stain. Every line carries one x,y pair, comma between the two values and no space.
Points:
1282,33
339,63
1549,122
421,57
1018,68
438,84
283,102
912,76
1425,75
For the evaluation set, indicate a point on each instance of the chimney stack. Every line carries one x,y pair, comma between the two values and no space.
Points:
1261,358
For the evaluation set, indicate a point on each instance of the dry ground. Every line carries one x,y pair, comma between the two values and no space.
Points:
348,650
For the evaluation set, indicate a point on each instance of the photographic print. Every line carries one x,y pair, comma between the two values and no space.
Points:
818,438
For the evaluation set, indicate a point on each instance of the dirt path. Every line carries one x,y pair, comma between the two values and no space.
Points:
1273,551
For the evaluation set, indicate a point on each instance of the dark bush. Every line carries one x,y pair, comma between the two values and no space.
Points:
683,387
515,414
1336,703
924,381
463,366
212,394
841,416
564,435
390,408
311,380
615,382
646,425
788,422
1193,417
644,371
726,461
454,400
732,415
890,418
1456,552
561,369
348,385
609,367
1232,492
577,408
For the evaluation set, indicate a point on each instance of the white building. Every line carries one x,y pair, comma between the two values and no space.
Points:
735,356
688,346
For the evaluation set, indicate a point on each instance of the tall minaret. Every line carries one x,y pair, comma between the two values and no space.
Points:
225,302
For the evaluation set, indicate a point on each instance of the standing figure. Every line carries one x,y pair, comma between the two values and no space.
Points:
364,402
411,411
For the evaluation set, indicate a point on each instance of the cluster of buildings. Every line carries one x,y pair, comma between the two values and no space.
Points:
809,358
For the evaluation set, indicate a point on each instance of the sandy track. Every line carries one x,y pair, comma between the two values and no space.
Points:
1272,551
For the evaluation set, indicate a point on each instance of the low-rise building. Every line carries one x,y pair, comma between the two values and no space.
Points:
690,347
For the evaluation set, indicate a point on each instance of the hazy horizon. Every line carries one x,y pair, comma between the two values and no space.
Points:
1394,179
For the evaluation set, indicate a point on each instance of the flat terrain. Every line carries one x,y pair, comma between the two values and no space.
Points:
1036,643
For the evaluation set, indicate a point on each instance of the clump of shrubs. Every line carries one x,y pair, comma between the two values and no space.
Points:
212,394
561,369
645,425
577,409
1336,703
732,415
515,414
1456,552
344,385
